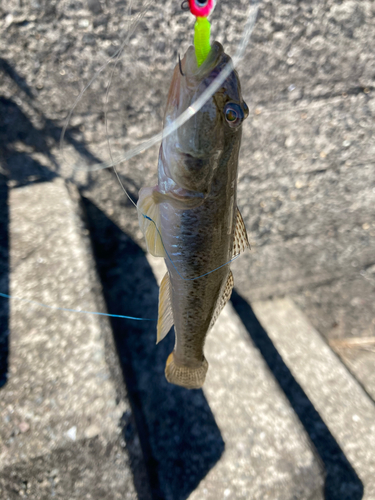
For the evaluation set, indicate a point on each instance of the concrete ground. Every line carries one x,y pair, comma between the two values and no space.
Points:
268,424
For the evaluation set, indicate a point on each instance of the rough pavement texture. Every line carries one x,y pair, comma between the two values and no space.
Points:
88,468
306,185
61,416
343,405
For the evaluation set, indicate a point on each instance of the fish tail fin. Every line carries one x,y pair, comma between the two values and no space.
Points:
185,376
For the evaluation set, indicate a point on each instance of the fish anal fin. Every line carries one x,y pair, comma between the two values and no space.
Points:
241,241
149,221
165,318
223,299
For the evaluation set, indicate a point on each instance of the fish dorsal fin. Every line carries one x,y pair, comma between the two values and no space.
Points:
223,299
149,221
241,241
165,318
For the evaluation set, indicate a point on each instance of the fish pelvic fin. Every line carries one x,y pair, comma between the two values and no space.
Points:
185,376
241,241
149,221
223,299
165,318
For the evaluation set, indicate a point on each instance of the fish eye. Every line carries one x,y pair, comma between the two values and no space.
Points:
233,114
201,3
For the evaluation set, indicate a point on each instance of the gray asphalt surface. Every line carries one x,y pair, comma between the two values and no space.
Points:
307,174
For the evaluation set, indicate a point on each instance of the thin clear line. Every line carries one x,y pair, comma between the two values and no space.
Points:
55,308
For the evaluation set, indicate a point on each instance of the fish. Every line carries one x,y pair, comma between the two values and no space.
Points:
191,218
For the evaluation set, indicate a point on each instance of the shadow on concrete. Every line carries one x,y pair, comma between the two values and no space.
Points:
81,469
19,140
342,482
16,127
21,83
179,436
4,280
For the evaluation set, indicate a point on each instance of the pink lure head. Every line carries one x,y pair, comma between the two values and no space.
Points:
201,8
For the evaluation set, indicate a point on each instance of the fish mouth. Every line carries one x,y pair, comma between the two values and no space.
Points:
187,78
190,66
194,150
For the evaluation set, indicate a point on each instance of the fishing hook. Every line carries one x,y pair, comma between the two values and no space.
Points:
185,5
179,65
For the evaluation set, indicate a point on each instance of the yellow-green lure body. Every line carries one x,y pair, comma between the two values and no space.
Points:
202,31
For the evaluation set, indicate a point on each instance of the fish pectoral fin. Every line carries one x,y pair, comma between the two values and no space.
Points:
165,318
149,221
223,299
241,241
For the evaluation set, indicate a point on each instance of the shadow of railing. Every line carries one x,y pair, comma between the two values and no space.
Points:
180,439
17,126
4,280
342,482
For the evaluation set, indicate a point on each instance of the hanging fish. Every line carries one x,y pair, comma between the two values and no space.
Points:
190,218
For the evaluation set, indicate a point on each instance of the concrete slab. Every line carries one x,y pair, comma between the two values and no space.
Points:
344,406
306,173
90,468
306,185
60,399
350,328
267,454
359,357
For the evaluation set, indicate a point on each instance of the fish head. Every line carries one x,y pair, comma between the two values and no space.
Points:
193,150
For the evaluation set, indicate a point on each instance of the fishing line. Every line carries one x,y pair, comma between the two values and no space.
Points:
106,105
188,113
183,118
169,129
196,106
55,308
100,70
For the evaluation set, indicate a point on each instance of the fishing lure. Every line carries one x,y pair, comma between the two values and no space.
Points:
169,128
201,8
202,29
